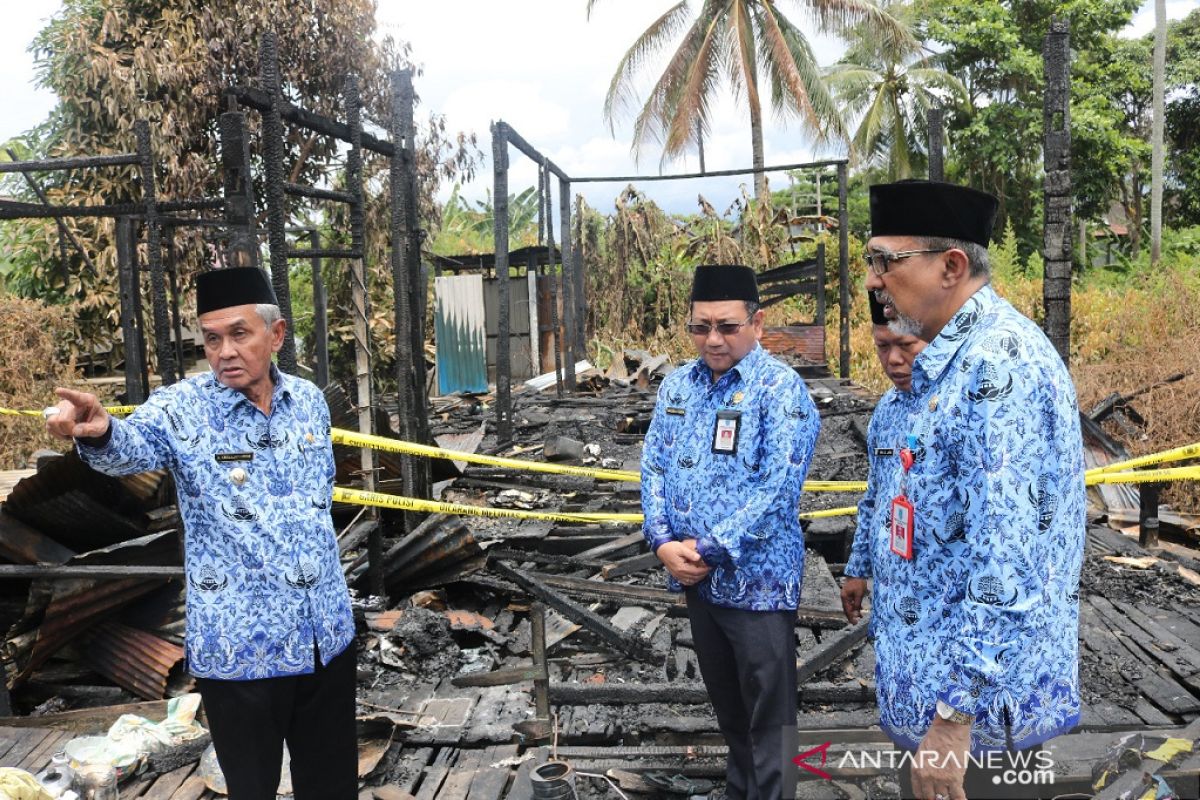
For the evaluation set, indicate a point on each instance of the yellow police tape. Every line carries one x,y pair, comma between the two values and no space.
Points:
1146,476
359,497
12,412
355,439
1176,454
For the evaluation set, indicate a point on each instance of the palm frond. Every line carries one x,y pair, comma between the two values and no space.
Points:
796,79
690,101
667,93
835,16
620,93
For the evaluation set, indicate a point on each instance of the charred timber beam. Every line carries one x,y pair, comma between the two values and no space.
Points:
261,101
238,188
583,694
17,210
70,572
518,141
63,230
710,174
158,282
312,192
601,627
504,406
273,154
80,162
833,649
326,252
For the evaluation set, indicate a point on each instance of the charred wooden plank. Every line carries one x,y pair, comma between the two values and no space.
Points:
537,586
834,648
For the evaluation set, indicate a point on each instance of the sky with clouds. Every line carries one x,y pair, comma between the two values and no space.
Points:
540,65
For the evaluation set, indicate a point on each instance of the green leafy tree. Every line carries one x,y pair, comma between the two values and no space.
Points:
994,47
1182,206
889,91
752,45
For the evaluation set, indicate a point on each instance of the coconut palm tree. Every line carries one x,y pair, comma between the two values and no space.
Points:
743,42
889,92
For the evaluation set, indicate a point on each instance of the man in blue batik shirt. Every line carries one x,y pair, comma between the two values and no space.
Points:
886,433
722,467
974,528
269,626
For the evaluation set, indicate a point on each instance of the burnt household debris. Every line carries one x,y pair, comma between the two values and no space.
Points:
505,644
537,655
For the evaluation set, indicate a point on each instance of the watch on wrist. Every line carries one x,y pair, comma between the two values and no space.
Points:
951,714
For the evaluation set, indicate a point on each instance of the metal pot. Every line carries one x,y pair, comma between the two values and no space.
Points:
96,782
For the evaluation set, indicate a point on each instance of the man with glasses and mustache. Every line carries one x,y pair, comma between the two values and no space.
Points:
722,468
974,538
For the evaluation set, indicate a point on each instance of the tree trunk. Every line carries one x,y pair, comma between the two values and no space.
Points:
1156,136
756,146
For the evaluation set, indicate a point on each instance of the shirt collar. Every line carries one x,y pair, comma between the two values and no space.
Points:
231,398
700,371
933,360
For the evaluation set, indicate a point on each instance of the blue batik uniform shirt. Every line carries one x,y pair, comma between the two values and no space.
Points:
741,508
264,580
890,423
986,614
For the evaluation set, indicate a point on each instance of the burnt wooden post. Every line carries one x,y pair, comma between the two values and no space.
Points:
935,118
242,250
273,154
571,343
820,320
576,258
320,313
405,262
176,317
553,277
361,300
132,332
1057,230
537,640
500,219
158,284
1148,514
843,272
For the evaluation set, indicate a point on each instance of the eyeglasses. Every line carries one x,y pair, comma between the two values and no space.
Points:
881,262
723,328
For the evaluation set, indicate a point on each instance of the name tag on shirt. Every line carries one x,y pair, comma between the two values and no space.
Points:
884,452
225,458
725,432
902,527
676,412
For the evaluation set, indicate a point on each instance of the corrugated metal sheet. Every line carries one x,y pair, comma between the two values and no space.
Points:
132,658
1098,451
81,509
459,328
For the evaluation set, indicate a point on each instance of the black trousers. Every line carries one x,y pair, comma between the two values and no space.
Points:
748,662
314,714
1011,778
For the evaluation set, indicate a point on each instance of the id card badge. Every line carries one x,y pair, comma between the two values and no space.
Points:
725,432
902,527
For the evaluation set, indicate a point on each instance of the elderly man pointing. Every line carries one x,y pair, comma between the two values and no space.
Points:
269,626
975,537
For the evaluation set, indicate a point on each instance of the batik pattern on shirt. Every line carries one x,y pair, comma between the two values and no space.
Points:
741,508
890,423
264,579
985,616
